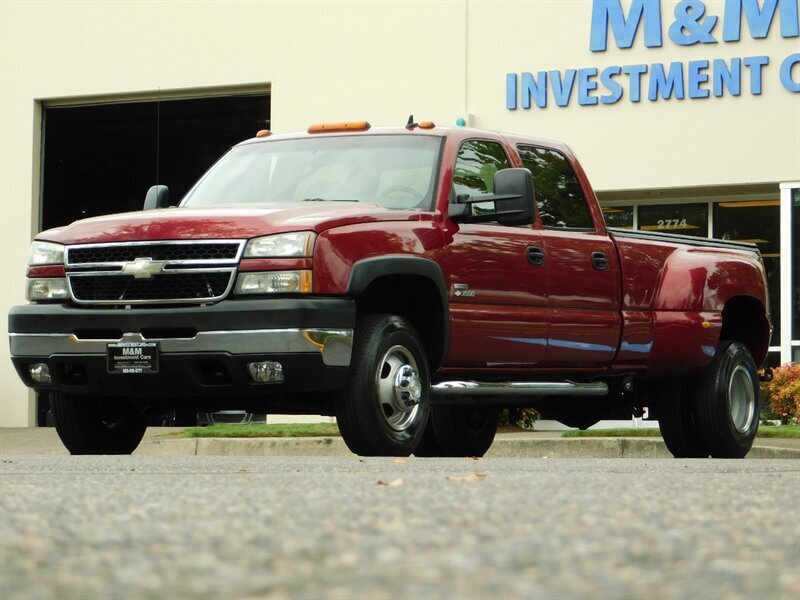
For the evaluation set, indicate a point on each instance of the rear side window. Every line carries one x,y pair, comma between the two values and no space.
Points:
559,196
476,164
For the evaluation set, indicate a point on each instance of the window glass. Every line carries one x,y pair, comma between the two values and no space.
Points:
618,216
684,219
395,171
476,164
559,196
757,222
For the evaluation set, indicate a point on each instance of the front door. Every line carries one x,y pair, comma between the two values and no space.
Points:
498,283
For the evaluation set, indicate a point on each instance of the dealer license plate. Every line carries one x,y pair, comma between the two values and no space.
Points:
133,357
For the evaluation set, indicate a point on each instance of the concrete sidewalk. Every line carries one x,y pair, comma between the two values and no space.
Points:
162,441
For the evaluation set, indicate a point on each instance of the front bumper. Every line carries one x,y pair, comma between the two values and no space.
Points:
204,350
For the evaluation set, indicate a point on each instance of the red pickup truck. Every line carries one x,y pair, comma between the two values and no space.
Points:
411,281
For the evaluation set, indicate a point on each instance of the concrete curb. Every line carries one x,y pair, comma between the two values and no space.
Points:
502,448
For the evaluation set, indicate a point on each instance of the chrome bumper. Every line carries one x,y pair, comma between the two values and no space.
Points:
334,345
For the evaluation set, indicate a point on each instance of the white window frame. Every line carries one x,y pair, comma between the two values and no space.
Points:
786,342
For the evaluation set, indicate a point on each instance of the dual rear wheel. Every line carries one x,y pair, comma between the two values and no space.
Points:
715,414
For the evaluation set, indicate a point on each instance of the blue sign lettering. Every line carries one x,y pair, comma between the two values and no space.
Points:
697,79
536,88
756,65
689,27
614,88
607,13
725,77
634,73
666,85
793,85
759,20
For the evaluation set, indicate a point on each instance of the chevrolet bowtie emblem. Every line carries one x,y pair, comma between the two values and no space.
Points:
143,268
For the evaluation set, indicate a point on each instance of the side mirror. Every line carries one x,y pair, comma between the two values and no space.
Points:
513,200
517,187
157,197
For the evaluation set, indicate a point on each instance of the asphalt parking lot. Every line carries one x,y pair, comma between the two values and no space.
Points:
349,527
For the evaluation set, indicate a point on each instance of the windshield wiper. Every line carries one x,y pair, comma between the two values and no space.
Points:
328,200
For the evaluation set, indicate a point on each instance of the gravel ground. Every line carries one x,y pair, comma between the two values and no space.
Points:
235,527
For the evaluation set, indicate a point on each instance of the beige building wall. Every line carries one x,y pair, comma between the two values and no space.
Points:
378,61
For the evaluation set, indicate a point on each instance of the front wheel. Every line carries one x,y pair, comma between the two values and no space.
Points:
727,402
384,408
88,425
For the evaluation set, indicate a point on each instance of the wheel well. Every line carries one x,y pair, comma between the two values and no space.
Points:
744,319
415,298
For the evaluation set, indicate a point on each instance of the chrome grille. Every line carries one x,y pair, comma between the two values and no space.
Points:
152,272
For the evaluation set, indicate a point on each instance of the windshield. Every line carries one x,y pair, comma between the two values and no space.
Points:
395,171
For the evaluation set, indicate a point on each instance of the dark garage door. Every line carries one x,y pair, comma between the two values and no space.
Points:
101,159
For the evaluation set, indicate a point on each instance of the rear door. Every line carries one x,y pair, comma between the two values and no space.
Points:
498,284
582,266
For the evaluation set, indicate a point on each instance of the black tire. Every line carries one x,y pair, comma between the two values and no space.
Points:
429,446
384,408
85,426
676,420
727,402
464,430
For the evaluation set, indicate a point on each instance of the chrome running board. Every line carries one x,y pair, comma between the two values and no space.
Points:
519,388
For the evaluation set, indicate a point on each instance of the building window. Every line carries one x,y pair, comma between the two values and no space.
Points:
684,219
559,197
620,217
756,222
795,305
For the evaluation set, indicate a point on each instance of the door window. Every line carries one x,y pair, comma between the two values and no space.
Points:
559,196
476,164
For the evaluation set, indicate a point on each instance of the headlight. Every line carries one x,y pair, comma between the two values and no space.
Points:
51,288
300,243
46,253
274,282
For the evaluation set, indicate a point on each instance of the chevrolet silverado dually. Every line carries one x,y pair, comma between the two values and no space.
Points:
412,281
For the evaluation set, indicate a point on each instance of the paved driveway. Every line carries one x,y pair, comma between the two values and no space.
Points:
213,527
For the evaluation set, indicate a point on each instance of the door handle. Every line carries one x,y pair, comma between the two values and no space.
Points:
535,255
599,261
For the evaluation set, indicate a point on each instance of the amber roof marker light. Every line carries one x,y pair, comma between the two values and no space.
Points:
263,133
411,125
339,127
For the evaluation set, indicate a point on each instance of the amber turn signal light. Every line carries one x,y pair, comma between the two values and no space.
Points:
337,127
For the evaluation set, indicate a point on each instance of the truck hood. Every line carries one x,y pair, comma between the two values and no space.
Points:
226,222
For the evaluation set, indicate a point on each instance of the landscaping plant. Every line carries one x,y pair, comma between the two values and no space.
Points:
783,393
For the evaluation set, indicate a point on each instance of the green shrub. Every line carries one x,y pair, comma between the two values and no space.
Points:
782,394
521,417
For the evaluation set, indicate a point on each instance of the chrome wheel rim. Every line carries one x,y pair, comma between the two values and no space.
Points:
741,399
398,387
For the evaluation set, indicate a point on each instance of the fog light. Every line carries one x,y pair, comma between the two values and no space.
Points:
266,372
40,373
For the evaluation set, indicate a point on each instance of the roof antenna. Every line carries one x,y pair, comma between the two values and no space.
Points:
410,125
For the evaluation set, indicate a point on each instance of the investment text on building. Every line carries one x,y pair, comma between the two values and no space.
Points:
690,24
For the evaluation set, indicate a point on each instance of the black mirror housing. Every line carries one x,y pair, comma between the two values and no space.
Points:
157,197
517,186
